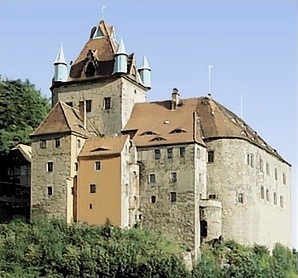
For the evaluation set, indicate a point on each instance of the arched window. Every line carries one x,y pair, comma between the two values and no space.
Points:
240,198
204,228
90,70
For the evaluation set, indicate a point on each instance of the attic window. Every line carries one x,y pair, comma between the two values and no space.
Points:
98,34
158,139
99,149
178,130
148,132
234,120
90,70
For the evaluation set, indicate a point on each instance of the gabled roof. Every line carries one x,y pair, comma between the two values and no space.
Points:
102,48
158,118
195,120
25,151
63,118
103,146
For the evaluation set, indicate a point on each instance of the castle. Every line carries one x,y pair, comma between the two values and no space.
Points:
189,168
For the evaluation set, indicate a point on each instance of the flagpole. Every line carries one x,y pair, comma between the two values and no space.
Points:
209,78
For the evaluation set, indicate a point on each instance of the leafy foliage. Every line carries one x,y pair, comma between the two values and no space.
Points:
45,248
234,260
51,248
22,108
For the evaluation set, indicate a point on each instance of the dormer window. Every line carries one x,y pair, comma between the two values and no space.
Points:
178,130
158,139
90,70
148,132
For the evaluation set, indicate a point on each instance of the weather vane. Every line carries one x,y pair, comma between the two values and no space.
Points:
103,12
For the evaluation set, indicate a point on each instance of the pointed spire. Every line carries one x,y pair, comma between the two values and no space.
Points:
60,66
121,48
120,64
145,64
60,59
144,72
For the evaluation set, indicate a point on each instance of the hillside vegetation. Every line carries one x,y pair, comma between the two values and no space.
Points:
22,108
44,248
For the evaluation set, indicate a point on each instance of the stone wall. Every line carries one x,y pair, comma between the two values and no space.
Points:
177,219
123,94
239,167
59,202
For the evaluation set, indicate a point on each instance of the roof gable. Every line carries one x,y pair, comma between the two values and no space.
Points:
98,146
63,118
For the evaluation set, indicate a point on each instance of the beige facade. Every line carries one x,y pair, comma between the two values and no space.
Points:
256,204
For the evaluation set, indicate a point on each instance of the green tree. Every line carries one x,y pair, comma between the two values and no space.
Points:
44,248
22,108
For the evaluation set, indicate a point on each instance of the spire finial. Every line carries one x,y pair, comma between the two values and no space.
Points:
103,12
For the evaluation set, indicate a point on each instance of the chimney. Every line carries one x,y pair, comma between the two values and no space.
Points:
175,99
82,109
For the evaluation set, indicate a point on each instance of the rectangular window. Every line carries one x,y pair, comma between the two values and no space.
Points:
170,153
182,152
43,144
284,179
50,166
97,165
251,160
152,178
267,169
92,188
69,103
50,191
275,173
90,206
88,105
79,143
210,156
173,177
57,142
261,165
76,166
153,199
173,196
157,154
107,103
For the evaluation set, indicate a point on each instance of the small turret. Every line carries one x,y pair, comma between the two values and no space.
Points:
60,66
120,65
145,73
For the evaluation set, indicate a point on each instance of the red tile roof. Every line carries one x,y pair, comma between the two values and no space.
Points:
103,146
63,118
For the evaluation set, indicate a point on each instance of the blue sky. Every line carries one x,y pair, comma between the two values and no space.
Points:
251,44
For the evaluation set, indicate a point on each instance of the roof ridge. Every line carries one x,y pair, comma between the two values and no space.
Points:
64,114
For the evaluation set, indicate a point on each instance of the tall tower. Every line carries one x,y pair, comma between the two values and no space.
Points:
106,77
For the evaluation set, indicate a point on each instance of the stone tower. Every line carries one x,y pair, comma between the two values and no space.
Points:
96,99
106,77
